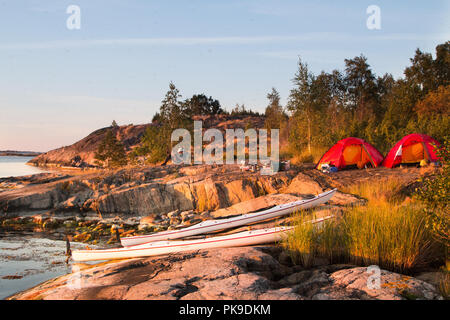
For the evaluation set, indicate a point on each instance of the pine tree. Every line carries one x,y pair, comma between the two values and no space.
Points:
111,152
199,104
173,114
275,115
300,102
361,88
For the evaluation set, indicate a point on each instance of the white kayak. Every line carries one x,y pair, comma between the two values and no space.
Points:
214,225
245,238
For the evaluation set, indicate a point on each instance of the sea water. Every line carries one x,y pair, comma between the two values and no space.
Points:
13,166
26,260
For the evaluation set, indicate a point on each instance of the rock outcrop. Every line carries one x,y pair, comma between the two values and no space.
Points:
82,153
235,273
223,190
143,192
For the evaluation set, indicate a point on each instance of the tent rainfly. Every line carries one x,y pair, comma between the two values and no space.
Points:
412,148
351,151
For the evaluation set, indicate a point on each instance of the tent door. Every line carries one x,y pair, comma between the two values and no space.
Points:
413,153
356,155
351,154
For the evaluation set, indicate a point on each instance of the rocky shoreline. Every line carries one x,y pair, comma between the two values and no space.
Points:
135,201
95,207
247,273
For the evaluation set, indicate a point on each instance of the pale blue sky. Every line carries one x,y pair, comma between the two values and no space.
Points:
58,85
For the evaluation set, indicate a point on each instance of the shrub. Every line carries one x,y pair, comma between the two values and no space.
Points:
435,196
111,151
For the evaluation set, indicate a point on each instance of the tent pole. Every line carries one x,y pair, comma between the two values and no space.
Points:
425,151
370,157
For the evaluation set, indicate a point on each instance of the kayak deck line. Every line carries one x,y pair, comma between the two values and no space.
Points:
215,223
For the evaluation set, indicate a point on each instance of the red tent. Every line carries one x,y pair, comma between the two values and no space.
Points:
351,151
412,149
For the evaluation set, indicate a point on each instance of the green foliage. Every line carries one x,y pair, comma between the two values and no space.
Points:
302,106
241,110
276,118
173,114
172,111
153,145
361,87
331,106
200,104
111,152
435,194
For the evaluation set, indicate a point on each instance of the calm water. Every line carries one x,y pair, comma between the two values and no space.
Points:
30,260
13,166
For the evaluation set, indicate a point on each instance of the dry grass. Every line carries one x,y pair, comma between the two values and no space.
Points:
444,286
380,191
392,236
383,232
308,241
308,157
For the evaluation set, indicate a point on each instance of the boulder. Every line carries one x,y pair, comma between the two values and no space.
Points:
303,185
353,284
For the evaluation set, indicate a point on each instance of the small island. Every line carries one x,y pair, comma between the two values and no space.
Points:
14,153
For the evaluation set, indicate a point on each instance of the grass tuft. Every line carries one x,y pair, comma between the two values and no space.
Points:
384,232
380,191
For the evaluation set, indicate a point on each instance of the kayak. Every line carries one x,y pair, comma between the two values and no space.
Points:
214,225
245,238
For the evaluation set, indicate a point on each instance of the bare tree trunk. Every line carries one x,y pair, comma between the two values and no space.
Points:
309,135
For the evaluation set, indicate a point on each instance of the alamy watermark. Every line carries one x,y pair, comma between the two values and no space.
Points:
73,22
213,153
374,280
373,22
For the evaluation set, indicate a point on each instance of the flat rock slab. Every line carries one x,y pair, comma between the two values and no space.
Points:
253,273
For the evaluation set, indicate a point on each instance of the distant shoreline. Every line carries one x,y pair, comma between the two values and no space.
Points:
7,153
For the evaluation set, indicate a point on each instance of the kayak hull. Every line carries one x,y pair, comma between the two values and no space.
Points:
214,225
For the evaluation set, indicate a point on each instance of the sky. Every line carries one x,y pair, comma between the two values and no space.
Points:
57,84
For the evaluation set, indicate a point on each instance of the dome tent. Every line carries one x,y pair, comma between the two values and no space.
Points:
412,148
351,151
